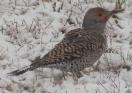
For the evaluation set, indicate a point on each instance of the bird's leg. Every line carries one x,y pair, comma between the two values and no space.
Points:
76,75
64,75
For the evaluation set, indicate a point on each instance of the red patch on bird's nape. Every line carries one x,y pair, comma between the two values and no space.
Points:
104,18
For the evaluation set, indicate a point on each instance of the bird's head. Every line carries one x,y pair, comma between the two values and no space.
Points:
97,17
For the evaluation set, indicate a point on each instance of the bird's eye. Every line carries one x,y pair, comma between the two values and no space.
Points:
100,14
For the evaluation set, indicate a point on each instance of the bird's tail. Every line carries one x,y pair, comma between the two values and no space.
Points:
24,69
35,64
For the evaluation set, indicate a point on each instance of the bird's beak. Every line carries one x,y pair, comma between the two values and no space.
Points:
113,12
116,11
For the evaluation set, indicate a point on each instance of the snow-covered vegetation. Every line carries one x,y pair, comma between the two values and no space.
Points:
31,28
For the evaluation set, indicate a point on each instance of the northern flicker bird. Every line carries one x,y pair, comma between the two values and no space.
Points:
80,48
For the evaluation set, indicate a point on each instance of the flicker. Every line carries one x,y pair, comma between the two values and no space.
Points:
80,48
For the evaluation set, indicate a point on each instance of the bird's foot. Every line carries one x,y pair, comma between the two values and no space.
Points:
76,76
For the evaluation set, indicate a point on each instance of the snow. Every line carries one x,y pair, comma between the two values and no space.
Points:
31,28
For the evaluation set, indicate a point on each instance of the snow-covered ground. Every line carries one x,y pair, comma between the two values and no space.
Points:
30,28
